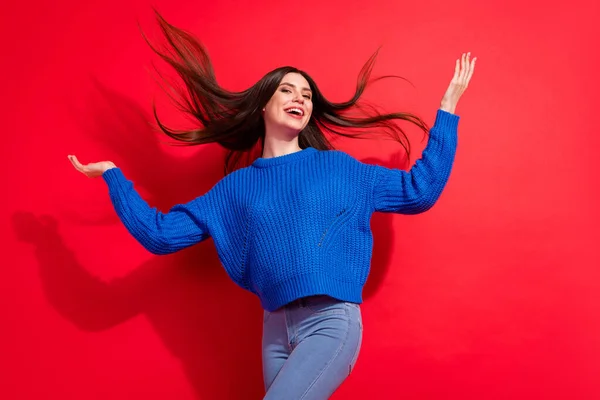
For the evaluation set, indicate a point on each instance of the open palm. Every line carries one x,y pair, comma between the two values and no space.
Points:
91,170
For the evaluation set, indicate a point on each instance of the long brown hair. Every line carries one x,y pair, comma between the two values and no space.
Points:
234,119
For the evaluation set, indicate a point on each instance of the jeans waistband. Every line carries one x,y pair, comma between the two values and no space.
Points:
303,301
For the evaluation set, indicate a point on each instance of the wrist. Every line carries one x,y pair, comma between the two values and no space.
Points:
448,107
109,165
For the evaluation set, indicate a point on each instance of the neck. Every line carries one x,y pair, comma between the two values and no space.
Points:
280,146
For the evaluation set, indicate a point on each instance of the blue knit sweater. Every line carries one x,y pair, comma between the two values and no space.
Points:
294,225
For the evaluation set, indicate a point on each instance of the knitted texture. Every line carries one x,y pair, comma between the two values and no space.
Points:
295,225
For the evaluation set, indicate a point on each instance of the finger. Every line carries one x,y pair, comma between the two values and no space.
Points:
467,67
456,69
74,161
462,66
471,69
78,166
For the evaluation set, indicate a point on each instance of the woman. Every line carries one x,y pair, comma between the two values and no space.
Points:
293,227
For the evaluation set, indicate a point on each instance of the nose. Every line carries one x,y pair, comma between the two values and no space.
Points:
298,98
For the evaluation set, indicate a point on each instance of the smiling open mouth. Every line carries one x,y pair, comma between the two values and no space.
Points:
295,111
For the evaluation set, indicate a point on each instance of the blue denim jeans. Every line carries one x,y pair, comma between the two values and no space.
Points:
310,347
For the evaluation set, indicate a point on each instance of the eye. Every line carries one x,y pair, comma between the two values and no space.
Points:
284,90
306,96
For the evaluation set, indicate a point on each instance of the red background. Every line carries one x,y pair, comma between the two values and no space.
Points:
493,294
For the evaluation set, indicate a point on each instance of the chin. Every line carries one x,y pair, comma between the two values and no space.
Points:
295,129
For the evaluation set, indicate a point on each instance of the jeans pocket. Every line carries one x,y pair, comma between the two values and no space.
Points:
359,327
354,359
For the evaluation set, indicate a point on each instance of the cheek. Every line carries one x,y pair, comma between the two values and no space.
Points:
270,112
309,111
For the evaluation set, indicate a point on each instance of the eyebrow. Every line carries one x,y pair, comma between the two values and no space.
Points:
292,85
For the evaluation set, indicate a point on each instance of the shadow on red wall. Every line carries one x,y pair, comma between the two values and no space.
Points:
195,309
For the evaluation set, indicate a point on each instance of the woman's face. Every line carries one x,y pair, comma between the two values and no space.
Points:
290,107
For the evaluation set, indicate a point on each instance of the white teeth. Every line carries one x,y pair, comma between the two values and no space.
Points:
296,110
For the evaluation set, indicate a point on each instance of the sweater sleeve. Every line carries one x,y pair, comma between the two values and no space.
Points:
417,190
160,233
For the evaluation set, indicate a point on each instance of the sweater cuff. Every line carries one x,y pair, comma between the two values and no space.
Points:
114,177
445,120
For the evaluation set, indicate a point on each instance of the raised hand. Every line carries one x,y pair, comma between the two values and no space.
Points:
463,71
91,170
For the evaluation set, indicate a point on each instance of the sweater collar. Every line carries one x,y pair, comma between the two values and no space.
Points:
285,159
